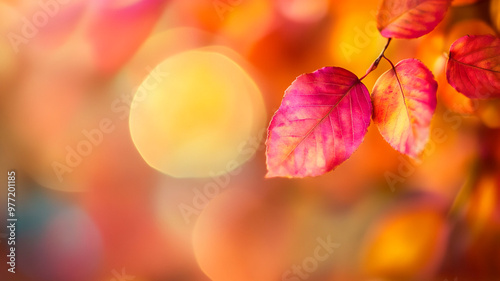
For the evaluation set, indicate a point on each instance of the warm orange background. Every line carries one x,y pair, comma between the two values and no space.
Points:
160,175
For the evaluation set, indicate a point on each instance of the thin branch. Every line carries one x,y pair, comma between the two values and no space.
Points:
377,61
388,60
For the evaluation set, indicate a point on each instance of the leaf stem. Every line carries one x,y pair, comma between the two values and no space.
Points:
397,78
377,61
389,61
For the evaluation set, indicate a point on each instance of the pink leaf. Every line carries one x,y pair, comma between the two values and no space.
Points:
322,120
410,18
404,100
473,66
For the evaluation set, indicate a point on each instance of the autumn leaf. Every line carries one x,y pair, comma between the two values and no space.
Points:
410,18
404,100
450,97
473,66
322,119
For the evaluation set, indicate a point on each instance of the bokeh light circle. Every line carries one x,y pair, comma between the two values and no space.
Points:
193,113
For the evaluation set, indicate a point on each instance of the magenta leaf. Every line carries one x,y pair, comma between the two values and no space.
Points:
404,100
322,120
473,66
407,19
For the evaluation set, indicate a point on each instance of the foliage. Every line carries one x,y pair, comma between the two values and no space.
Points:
324,115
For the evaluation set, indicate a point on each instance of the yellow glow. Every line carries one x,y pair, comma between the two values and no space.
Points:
194,121
355,42
403,245
483,203
490,114
486,200
246,22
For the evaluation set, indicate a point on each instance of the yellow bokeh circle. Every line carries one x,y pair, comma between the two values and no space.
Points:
194,113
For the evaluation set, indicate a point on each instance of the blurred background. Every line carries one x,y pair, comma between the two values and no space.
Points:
136,129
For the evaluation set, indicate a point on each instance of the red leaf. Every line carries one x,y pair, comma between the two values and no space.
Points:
404,100
322,119
473,66
410,18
